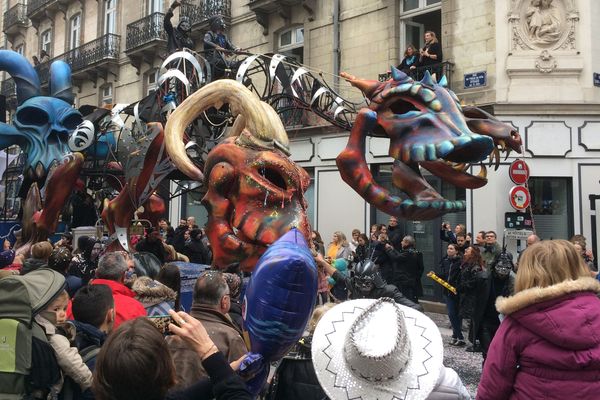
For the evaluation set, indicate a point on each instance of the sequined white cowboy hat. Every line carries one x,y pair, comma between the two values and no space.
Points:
377,349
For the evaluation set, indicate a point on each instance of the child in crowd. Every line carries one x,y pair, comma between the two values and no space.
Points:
52,320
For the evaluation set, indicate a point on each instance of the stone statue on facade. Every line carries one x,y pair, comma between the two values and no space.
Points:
543,22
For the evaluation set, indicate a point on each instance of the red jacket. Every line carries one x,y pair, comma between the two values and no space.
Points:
548,346
126,307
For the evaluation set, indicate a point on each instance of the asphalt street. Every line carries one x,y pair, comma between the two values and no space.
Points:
467,365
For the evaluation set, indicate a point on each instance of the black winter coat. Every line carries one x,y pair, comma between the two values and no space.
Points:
450,272
467,287
408,269
196,252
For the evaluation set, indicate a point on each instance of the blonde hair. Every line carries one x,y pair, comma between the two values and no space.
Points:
547,263
41,250
434,38
317,314
342,238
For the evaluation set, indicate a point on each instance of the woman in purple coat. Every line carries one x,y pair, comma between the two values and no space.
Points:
548,346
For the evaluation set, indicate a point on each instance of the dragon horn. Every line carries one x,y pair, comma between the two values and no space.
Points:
60,81
443,81
397,74
26,78
427,79
366,86
265,128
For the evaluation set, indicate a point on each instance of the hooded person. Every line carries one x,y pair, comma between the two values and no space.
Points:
178,38
378,349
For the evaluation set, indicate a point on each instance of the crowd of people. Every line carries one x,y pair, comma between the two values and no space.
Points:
102,321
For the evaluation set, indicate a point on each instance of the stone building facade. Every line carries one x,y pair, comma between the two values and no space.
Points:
529,62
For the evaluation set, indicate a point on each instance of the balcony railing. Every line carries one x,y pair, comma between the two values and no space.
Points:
145,30
104,48
209,8
8,88
14,16
442,69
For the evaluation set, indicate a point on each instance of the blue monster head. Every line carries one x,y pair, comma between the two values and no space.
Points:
41,124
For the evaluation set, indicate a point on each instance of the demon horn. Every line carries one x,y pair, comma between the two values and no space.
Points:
26,79
427,79
397,74
261,123
60,81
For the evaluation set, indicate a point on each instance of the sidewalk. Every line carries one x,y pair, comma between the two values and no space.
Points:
467,365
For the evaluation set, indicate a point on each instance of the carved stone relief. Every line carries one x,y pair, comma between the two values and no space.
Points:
543,24
545,62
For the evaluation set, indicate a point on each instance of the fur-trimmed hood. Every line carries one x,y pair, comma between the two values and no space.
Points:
150,292
512,304
566,314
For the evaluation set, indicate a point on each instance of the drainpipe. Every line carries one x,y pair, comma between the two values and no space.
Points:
336,43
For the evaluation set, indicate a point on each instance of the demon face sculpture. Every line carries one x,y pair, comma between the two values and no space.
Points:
426,127
41,124
255,193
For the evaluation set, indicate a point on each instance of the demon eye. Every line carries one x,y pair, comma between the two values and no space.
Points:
32,116
72,121
274,177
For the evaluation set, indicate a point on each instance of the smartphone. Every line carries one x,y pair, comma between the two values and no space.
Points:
162,323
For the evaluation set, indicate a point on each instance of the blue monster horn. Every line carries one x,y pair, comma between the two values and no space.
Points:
60,81
26,79
443,81
427,79
398,75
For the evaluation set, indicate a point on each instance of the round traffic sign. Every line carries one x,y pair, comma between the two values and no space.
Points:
518,172
519,197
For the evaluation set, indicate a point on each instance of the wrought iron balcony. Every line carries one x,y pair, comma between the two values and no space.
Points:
100,51
145,31
8,88
442,69
15,18
199,15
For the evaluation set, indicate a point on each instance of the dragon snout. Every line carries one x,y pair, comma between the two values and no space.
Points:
469,149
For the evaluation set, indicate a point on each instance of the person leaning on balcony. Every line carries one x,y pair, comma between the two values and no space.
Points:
44,57
178,38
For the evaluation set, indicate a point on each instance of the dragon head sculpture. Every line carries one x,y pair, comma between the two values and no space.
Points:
428,128
255,193
41,124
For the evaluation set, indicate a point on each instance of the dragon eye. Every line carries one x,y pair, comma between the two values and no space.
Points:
32,116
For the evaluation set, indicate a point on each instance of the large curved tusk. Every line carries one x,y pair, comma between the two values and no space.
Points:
241,101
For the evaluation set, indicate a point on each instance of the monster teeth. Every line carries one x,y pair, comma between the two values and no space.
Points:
507,154
495,158
483,172
462,167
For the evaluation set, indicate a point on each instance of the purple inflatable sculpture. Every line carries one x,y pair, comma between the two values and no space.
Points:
278,302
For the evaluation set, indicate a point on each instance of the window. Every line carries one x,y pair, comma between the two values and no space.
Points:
74,31
110,16
155,6
20,49
291,37
151,80
552,208
413,5
106,95
46,41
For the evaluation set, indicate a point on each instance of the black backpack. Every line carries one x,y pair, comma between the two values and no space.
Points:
28,365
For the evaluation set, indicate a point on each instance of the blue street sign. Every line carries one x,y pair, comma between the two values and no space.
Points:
476,79
596,79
